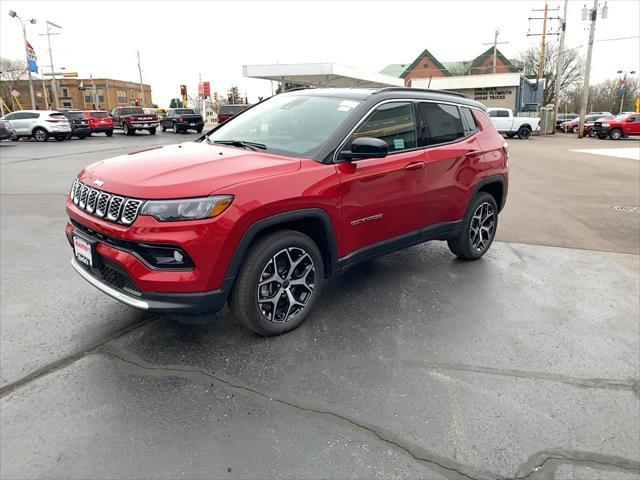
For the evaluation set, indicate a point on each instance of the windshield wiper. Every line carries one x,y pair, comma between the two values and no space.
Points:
241,143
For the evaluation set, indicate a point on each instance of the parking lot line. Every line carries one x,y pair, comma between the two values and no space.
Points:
631,153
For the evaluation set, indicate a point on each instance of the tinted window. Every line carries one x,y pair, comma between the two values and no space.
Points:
232,109
469,119
392,122
442,123
130,111
184,111
34,115
99,114
59,116
11,116
76,115
493,113
503,113
632,119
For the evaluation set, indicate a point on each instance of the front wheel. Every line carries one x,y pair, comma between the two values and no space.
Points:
61,138
199,130
164,129
616,134
524,133
574,129
127,129
278,284
152,131
175,128
109,133
478,230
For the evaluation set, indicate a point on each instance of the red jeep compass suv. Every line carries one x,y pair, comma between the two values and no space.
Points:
262,209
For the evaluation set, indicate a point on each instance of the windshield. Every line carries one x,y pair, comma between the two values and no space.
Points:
288,125
76,115
622,116
99,114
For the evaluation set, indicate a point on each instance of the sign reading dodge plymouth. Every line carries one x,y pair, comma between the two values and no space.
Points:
491,93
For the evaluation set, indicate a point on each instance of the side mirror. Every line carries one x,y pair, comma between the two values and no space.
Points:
366,147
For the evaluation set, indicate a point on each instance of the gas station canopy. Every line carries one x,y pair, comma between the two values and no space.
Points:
321,75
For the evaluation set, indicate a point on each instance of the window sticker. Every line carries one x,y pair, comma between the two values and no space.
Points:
347,105
398,143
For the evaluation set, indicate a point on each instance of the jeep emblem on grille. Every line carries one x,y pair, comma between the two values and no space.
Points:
98,183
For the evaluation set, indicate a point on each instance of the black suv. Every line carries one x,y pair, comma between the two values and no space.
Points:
79,123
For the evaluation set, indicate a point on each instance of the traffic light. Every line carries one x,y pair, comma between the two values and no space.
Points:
215,97
183,90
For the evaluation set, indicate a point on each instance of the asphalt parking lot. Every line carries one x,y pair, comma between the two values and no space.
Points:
525,364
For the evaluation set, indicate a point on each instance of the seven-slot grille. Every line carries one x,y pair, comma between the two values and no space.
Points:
105,205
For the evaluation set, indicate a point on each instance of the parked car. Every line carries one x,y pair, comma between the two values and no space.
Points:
602,114
5,130
132,119
99,122
79,124
39,124
267,206
510,125
181,120
622,126
228,111
591,120
565,117
572,126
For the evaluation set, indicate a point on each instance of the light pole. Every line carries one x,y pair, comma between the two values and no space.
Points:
54,82
622,86
26,52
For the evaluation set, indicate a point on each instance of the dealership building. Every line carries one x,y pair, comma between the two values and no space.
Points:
507,88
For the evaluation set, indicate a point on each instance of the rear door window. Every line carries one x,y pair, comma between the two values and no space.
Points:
393,122
442,123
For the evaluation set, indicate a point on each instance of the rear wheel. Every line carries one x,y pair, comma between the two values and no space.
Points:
127,129
175,128
152,131
40,134
278,284
574,129
199,130
164,129
109,133
61,138
478,230
616,134
524,132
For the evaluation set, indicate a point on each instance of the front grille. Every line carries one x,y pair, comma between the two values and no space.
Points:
105,205
117,279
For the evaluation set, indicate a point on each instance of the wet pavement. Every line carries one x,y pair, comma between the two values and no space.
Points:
525,364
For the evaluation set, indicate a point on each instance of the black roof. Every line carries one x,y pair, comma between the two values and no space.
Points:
388,93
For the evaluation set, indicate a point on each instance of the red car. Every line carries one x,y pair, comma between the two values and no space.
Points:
624,125
266,207
99,121
228,111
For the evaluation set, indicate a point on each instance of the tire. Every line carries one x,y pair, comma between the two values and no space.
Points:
199,130
601,137
152,131
468,246
282,248
127,130
524,132
40,134
510,135
61,138
574,129
615,134
83,136
592,134
109,133
164,129
175,128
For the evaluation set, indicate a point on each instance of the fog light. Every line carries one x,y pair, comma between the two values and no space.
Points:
177,256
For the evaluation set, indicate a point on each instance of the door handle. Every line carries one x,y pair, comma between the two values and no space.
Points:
415,166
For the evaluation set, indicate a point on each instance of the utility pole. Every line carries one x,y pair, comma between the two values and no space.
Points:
544,33
141,85
560,66
54,83
587,70
495,44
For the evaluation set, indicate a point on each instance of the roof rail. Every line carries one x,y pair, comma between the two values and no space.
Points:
427,90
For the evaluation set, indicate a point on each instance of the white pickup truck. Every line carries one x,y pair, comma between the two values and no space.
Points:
510,125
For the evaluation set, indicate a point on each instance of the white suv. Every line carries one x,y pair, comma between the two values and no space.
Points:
39,124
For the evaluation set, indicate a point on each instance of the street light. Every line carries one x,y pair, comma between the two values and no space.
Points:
26,51
622,82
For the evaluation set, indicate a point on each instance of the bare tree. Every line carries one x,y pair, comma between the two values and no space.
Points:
572,69
10,71
603,97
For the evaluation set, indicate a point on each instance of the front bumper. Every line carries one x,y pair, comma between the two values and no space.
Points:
601,131
184,305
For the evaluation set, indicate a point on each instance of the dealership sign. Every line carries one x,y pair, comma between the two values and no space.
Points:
491,93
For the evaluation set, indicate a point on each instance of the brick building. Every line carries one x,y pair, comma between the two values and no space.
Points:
426,65
98,94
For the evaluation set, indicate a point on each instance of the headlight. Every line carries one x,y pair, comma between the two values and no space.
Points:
187,208
606,125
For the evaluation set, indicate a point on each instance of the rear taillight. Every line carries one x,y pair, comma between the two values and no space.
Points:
179,119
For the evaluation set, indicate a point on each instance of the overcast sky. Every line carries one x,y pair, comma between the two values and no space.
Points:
180,39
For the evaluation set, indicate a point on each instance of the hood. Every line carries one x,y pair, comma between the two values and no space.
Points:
189,169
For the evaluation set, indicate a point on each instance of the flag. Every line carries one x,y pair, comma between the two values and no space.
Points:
15,93
33,60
